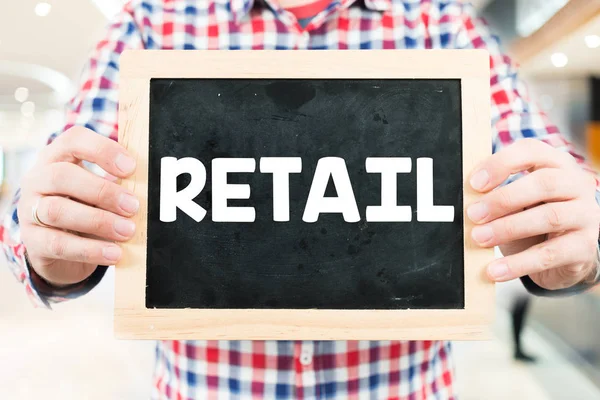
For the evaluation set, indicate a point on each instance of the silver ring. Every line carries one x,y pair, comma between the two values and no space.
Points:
35,217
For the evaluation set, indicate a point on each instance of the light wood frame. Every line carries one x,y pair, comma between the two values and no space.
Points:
133,320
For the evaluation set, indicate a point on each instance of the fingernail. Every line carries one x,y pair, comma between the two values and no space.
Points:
112,253
498,271
482,234
480,179
478,211
125,163
128,203
124,227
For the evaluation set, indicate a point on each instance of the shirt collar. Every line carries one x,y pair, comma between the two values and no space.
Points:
240,8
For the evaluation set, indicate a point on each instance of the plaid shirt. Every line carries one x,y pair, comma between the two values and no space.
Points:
303,370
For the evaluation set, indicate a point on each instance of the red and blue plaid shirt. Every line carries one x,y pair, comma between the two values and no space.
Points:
290,369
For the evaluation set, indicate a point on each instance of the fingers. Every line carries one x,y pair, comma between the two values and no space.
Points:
63,213
526,154
546,218
79,143
59,245
68,179
545,185
567,250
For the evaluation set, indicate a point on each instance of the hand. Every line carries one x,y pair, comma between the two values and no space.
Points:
84,213
546,223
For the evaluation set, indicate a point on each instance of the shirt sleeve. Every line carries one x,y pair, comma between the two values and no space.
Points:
514,115
95,107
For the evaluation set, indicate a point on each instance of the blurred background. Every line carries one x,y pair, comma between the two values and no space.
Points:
70,353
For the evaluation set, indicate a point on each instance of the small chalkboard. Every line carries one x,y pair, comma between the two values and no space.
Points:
304,195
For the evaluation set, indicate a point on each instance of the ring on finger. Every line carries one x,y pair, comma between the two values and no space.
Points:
34,215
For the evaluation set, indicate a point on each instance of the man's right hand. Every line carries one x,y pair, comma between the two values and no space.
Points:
84,214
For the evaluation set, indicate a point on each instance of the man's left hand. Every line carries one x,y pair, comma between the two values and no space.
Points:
546,223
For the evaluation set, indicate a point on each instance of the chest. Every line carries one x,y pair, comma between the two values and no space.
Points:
210,25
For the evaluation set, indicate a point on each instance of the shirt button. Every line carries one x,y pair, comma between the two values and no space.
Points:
306,357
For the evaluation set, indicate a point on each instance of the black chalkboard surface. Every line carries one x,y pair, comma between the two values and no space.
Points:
304,195
329,264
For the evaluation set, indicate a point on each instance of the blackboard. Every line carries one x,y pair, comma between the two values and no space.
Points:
329,266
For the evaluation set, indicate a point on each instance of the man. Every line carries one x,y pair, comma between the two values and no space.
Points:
546,222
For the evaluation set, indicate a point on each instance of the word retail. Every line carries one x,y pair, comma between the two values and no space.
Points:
327,168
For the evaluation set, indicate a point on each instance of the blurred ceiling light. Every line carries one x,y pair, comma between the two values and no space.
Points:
42,9
28,108
592,41
559,60
21,94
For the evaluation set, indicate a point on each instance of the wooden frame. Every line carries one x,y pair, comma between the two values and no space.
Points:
134,321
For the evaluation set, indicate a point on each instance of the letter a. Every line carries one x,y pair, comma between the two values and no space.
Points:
317,203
